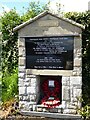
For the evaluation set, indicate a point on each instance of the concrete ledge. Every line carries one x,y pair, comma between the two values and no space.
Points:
52,115
49,72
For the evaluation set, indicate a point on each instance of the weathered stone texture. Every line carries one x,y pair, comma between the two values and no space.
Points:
39,27
77,62
33,98
76,80
22,90
24,105
21,69
21,61
21,52
77,93
21,75
77,53
33,82
49,23
20,82
77,43
66,81
26,98
29,81
71,106
21,42
31,90
69,111
20,97
65,93
77,71
55,31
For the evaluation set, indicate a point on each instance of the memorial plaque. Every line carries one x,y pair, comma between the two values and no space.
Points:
49,52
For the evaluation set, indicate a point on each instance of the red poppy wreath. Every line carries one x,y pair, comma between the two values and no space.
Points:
50,99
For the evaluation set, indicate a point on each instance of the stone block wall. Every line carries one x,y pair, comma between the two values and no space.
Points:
29,84
71,92
29,81
28,92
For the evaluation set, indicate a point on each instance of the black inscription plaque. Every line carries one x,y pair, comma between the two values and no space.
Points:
49,52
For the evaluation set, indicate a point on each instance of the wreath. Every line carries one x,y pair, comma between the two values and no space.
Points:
51,93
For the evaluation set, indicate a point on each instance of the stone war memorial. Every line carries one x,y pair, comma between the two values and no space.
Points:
50,66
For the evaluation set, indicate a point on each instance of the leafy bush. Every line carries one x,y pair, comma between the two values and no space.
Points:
33,10
85,112
84,19
9,40
9,85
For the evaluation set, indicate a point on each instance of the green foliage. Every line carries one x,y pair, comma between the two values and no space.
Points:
84,18
33,10
9,85
85,112
9,40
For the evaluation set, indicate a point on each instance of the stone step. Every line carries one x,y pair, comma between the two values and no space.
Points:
51,116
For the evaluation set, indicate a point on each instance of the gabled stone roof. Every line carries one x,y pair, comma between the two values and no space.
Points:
43,14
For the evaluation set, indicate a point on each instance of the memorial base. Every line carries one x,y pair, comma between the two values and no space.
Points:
56,116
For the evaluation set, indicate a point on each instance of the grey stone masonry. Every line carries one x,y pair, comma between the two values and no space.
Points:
54,116
48,24
28,92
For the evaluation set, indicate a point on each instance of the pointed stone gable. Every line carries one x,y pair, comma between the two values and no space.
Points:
48,24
